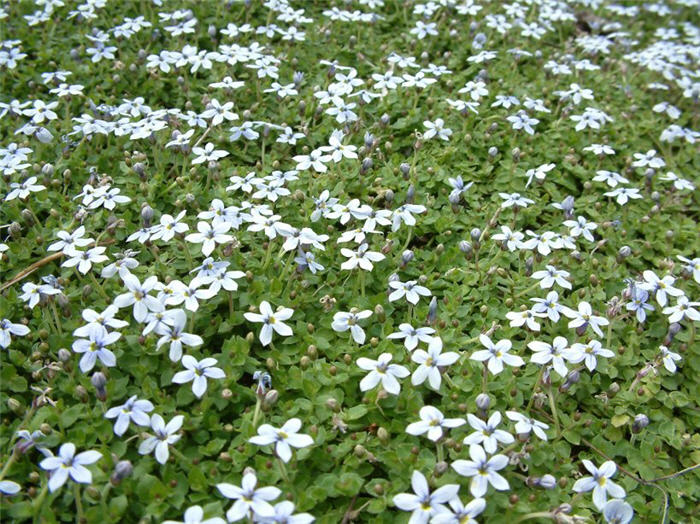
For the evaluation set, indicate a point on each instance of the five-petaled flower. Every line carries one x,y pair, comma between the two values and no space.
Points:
284,438
67,463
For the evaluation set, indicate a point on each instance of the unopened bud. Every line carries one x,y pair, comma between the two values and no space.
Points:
640,422
432,311
122,470
483,401
99,381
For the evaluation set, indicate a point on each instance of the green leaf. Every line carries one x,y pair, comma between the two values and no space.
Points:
356,412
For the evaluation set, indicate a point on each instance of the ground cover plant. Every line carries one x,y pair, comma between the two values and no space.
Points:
358,261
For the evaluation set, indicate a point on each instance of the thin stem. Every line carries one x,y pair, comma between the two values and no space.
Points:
553,407
283,469
55,316
440,452
256,414
484,379
534,388
78,501
10,461
99,288
39,502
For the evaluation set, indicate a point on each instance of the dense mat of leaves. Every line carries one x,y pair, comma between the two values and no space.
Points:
349,261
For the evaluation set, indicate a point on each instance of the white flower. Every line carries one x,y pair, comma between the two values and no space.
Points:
623,194
85,259
165,435
284,514
248,498
67,463
589,352
581,227
514,199
432,422
23,190
618,511
459,513
430,361
105,319
556,353
195,515
412,335
207,154
436,128
609,177
660,287
424,504
284,438
210,235
198,372
360,258
683,309
169,226
524,425
171,331
669,359
584,317
411,290
68,241
495,355
486,433
511,239
548,306
600,483
138,296
133,410
31,293
482,470
691,266
527,317
271,321
7,329
381,371
551,275
342,321
96,347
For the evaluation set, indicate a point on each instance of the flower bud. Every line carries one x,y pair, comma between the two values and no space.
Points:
432,311
367,164
383,435
483,401
493,151
406,257
440,468
81,393
465,247
640,422
384,120
270,399
99,381
122,470
379,313
405,169
333,405
410,194
146,215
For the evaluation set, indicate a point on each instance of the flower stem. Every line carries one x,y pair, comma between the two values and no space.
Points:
283,469
39,501
553,407
256,414
534,388
10,461
55,316
440,452
99,288
78,501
